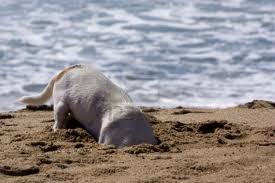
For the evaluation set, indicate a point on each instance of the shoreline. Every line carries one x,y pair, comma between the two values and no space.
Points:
235,144
18,105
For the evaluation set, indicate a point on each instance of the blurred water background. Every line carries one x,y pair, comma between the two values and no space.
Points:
163,53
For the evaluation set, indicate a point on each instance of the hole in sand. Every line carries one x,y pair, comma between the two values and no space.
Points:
211,126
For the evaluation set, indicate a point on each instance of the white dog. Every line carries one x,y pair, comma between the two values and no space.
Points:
101,107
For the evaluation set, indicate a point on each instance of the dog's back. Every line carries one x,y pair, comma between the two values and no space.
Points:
88,93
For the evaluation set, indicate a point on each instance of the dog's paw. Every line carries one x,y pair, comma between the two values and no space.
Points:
55,128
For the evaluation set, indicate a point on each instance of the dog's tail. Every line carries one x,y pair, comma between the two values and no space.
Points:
46,94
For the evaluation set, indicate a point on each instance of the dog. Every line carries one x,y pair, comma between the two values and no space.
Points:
101,107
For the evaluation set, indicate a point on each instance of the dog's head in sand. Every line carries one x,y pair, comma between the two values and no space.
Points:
127,120
100,106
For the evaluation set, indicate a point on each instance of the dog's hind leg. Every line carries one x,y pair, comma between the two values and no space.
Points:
61,111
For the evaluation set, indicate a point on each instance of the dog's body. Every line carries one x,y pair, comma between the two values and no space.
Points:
100,106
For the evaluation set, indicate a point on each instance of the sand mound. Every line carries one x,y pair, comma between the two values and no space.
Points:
6,116
68,135
256,104
209,132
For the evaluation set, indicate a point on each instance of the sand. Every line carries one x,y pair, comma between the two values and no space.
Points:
196,145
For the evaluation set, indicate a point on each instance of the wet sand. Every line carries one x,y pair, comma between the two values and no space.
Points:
196,145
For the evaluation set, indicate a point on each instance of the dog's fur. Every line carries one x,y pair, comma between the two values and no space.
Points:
100,106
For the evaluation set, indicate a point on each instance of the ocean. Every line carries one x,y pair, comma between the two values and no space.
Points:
163,53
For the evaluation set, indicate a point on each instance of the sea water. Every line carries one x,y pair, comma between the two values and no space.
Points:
163,53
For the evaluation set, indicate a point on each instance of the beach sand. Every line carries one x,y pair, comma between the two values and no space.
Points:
196,145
